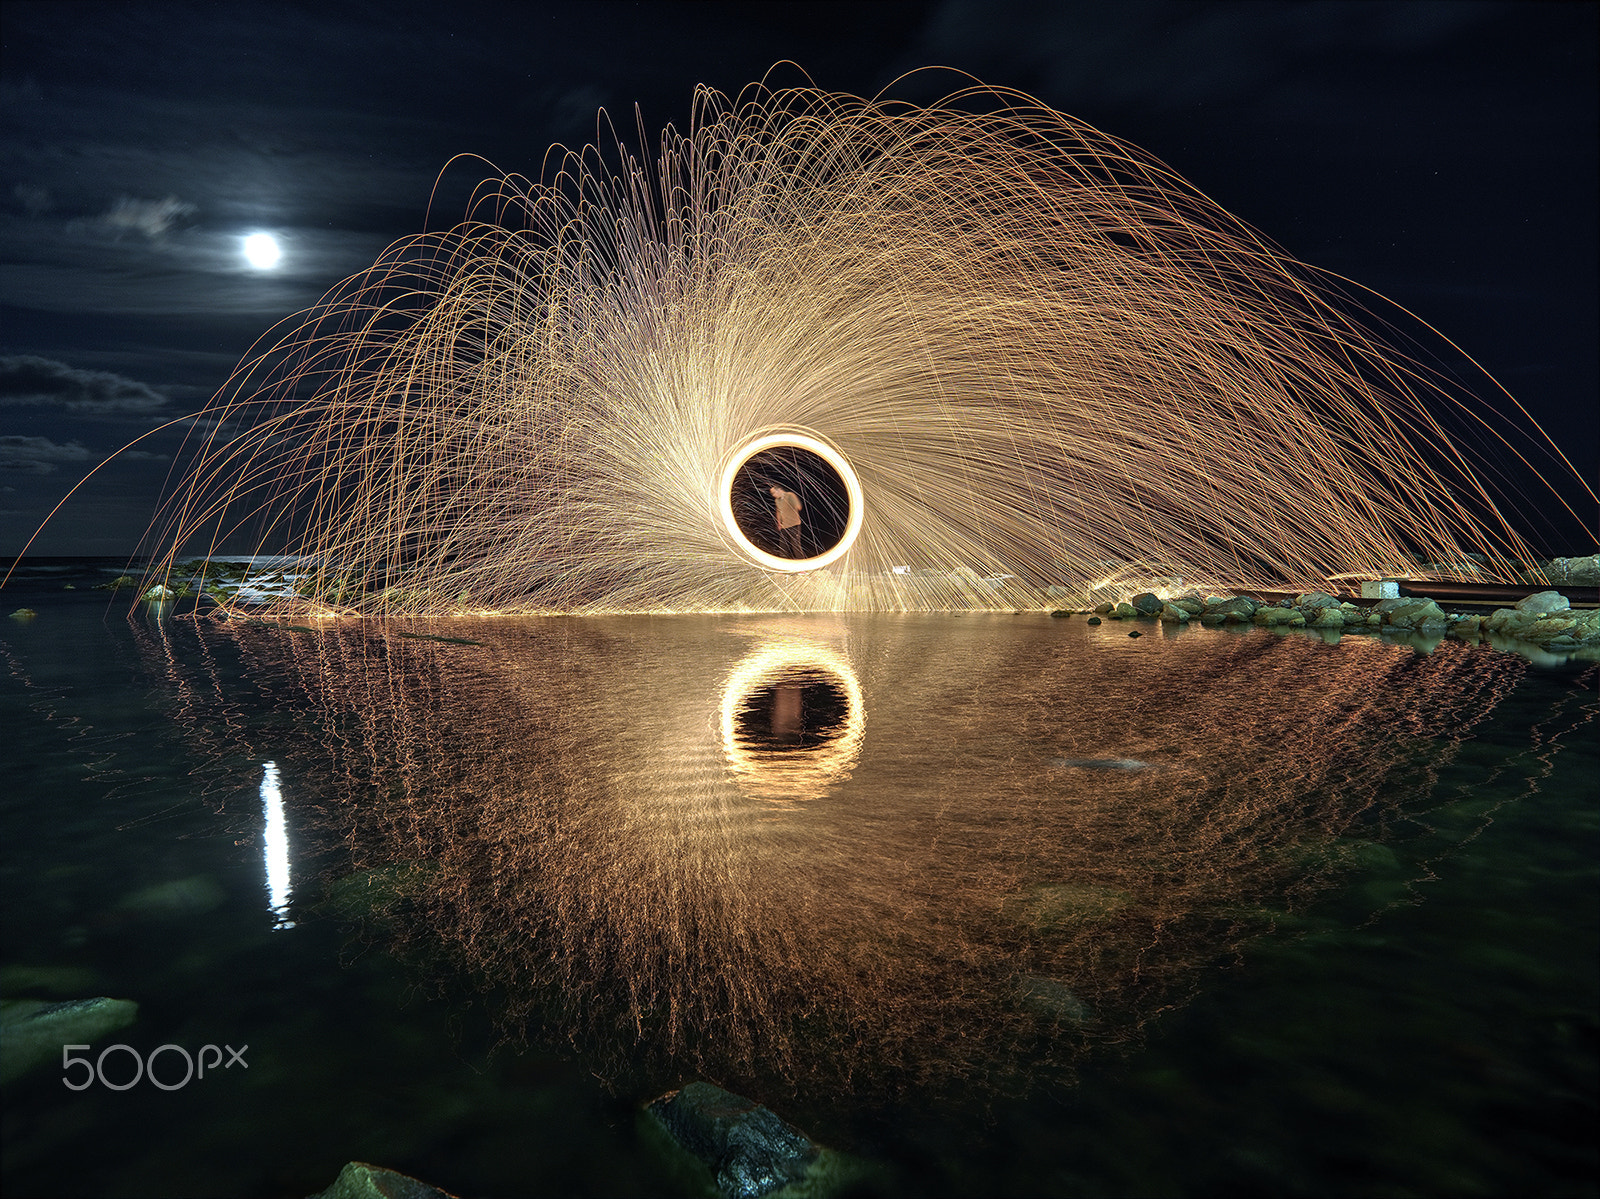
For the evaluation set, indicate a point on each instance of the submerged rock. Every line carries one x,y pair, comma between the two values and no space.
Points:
51,980
32,1031
191,896
1053,1000
748,1150
358,1180
1099,763
24,614
1055,907
378,892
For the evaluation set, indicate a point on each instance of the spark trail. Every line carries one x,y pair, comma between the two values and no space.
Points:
1040,351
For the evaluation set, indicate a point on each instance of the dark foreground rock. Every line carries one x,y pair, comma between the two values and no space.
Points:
747,1149
358,1180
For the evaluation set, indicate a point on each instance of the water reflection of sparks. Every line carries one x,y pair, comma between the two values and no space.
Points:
788,665
562,809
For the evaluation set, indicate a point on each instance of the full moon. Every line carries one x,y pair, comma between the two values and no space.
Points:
262,251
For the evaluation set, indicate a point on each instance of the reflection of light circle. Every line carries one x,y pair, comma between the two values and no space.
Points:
801,441
792,774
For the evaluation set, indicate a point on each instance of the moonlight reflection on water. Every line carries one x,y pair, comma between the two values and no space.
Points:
864,851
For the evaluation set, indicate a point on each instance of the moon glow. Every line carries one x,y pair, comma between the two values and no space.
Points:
261,251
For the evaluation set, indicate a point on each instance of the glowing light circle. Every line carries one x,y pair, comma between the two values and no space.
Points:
788,438
261,250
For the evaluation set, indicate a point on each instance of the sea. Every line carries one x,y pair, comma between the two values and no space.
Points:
988,904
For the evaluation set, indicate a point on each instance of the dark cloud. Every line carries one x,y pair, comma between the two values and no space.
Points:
35,200
1173,54
149,217
38,455
25,379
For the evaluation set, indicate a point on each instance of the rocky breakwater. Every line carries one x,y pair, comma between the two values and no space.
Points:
1545,619
1315,609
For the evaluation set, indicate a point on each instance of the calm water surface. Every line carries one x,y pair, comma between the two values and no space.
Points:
1012,905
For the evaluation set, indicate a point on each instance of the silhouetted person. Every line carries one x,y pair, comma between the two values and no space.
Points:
787,504
788,715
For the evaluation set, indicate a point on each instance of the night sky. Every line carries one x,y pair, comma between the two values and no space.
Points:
1443,154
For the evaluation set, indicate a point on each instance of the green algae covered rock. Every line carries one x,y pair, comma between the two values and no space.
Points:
32,1031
